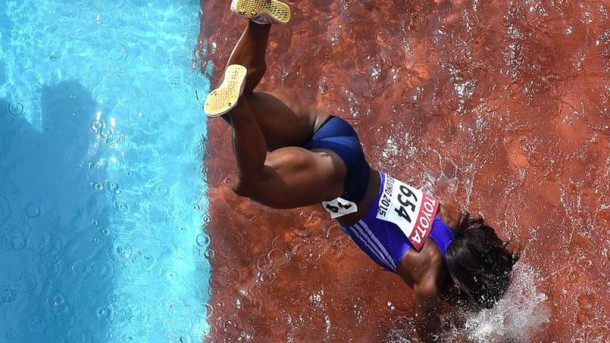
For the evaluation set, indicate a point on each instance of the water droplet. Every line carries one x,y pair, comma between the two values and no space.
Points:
124,251
15,109
106,133
7,295
97,125
33,210
382,37
12,238
98,186
209,253
122,206
58,300
101,312
203,240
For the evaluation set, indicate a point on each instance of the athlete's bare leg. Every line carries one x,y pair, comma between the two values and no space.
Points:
288,176
282,123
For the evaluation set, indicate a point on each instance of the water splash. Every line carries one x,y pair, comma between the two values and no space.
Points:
517,316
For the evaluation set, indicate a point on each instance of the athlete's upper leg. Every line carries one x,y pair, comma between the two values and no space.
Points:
294,177
284,122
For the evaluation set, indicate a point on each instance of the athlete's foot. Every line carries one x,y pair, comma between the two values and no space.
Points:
262,11
224,98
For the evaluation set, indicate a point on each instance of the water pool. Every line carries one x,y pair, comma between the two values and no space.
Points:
102,203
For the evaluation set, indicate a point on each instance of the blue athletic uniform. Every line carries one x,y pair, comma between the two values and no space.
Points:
385,243
382,241
338,136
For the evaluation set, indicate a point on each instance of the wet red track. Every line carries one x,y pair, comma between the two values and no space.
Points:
502,107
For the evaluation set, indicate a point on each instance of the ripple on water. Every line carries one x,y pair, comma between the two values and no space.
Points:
382,37
113,187
106,313
149,262
124,250
33,210
15,109
5,209
47,243
24,281
7,294
120,53
278,258
37,325
263,263
58,303
81,268
77,335
12,238
122,312
121,206
105,231
13,335
102,270
203,241
209,254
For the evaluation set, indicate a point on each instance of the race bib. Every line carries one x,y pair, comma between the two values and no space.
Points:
339,207
409,208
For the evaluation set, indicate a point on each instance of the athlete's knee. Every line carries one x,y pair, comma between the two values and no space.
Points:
244,187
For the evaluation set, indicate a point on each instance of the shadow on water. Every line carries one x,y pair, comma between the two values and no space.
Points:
55,242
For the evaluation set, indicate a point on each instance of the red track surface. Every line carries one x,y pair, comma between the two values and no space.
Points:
501,107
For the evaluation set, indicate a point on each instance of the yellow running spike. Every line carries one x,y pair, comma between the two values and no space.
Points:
224,98
262,11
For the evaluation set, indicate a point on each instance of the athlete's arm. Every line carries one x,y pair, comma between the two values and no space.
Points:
423,272
427,302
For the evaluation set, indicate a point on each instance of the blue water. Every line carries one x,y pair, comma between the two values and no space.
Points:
102,194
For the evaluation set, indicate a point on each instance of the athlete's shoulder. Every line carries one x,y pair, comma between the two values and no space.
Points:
419,266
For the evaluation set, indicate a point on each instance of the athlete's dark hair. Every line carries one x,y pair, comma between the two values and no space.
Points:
479,262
